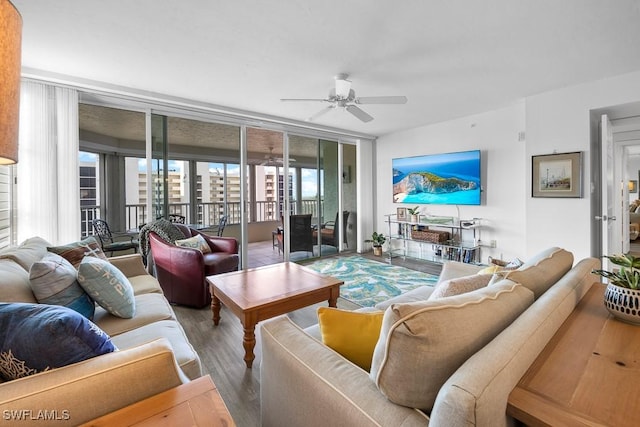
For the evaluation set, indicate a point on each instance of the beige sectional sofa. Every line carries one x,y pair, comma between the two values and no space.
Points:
153,354
304,382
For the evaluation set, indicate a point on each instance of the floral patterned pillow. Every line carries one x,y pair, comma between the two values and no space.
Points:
195,242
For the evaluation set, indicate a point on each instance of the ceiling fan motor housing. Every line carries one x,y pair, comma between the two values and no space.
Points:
341,95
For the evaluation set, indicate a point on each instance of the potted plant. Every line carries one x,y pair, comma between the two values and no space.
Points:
413,212
622,296
378,239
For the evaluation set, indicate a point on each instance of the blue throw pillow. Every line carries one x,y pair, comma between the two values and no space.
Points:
39,337
108,286
54,281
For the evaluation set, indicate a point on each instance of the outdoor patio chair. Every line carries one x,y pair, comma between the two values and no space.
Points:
177,219
113,242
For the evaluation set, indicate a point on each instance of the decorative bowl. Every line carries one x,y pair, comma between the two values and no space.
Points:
623,303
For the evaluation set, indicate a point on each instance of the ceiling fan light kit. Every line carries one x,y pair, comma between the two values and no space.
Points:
343,86
271,160
343,96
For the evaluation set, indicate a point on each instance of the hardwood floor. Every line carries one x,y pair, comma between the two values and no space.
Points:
220,347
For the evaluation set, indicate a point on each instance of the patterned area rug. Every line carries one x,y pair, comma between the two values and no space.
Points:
368,282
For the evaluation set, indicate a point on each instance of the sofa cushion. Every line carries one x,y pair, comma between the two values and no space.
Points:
28,252
542,271
460,285
39,337
76,251
352,334
422,344
144,284
418,294
55,281
195,242
14,283
185,355
107,286
150,308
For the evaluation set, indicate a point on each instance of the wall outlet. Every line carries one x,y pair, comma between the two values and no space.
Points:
494,244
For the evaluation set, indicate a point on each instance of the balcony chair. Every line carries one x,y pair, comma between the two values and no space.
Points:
177,219
113,242
329,231
221,225
301,240
182,271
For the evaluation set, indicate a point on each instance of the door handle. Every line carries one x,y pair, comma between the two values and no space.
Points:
604,217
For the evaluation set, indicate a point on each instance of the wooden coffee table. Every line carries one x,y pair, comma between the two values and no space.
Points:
262,293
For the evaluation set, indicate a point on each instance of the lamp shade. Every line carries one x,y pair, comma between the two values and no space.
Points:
10,48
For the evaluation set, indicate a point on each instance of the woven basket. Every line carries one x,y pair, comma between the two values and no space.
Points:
498,262
434,236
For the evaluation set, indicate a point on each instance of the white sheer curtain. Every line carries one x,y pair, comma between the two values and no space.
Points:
48,191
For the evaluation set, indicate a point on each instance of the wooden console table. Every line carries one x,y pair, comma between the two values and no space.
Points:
587,375
196,403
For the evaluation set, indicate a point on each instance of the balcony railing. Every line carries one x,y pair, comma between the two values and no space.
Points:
208,213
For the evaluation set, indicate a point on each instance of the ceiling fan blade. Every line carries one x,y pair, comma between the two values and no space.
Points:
321,113
381,100
303,99
359,113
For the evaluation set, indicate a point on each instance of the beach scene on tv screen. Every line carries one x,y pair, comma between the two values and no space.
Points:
448,178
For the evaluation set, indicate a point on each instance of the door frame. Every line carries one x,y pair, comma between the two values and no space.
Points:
625,118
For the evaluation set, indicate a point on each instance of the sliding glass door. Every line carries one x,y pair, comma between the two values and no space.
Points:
190,167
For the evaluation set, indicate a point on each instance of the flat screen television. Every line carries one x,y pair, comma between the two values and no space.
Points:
443,179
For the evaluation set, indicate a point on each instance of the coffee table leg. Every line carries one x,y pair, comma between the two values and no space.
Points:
249,343
215,308
333,297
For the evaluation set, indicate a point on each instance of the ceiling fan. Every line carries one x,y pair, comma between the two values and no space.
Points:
344,97
271,160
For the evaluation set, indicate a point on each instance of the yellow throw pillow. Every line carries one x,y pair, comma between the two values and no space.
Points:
352,334
491,269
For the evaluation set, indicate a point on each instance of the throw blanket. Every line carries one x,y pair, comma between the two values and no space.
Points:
164,229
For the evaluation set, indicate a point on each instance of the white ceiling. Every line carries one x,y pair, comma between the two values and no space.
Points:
450,58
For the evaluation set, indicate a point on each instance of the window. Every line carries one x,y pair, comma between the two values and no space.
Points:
89,190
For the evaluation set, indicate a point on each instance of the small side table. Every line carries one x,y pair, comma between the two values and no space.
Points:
196,403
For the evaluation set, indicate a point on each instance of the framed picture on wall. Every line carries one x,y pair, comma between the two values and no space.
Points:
556,175
401,214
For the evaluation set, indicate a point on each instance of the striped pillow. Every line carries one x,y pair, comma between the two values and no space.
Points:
54,281
74,252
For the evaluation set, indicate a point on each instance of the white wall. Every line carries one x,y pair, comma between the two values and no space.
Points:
366,196
559,120
495,133
553,121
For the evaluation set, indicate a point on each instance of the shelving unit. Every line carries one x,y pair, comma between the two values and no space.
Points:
461,245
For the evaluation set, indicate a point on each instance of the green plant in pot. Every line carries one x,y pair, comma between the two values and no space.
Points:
622,296
414,212
378,239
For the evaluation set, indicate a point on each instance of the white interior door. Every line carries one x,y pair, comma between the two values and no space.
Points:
611,239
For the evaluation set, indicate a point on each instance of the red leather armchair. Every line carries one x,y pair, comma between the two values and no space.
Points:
182,271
